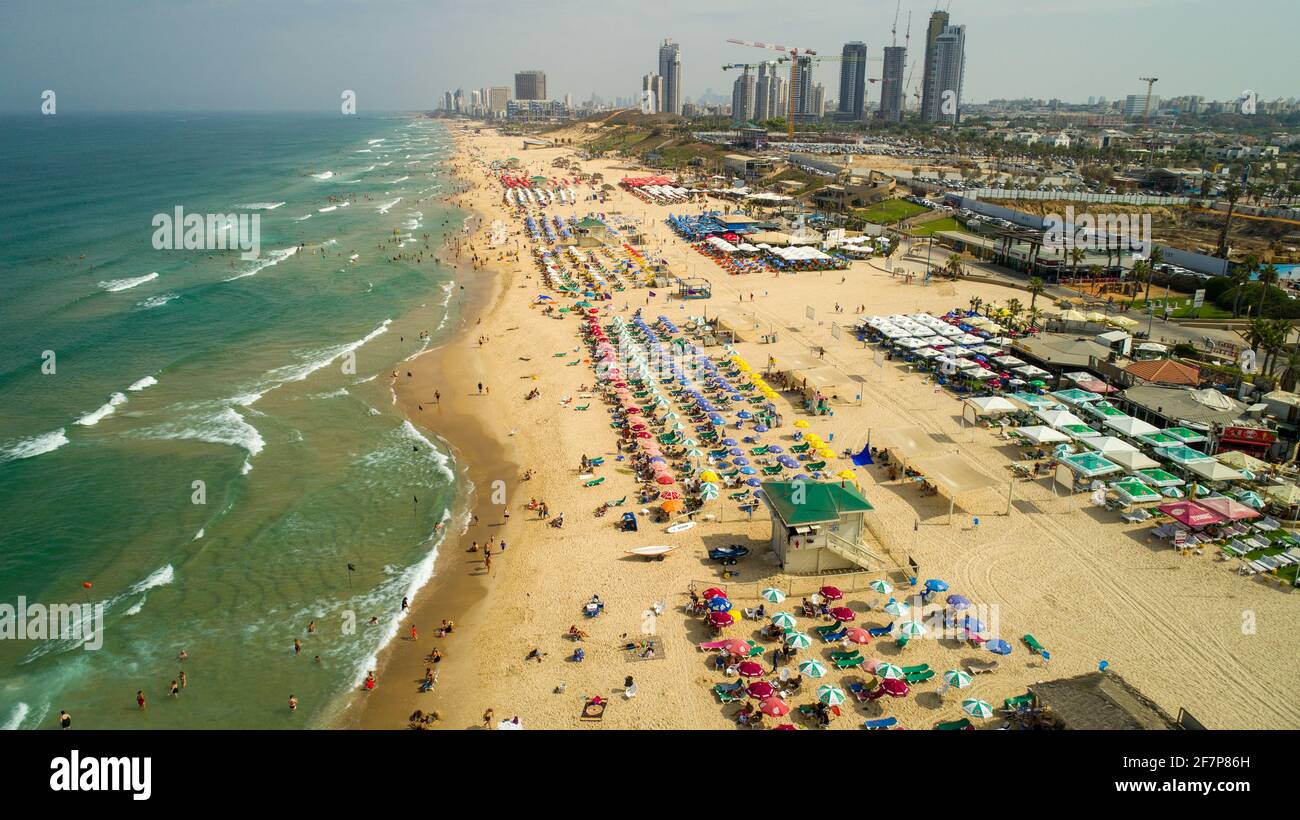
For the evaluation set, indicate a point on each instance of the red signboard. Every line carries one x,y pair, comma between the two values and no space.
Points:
1246,438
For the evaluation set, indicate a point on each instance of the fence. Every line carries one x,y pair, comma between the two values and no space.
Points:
1076,196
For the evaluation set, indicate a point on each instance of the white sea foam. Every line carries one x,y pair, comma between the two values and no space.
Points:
34,446
198,534
16,717
399,179
221,425
157,301
160,577
141,384
327,209
376,141
302,218
260,206
383,209
272,259
95,416
324,175
115,285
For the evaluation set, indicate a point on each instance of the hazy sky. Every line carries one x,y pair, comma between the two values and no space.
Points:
402,54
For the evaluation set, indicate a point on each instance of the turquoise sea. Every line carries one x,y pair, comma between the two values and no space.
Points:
130,374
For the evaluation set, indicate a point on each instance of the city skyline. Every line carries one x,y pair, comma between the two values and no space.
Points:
152,56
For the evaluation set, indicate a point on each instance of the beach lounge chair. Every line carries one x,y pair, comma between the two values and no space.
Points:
826,629
964,723
849,663
583,406
775,469
758,451
833,637
1033,644
881,631
1267,524
801,448
617,503
981,667
902,641
881,723
917,669
1018,702
835,656
594,482
815,465
1235,547
861,689
920,677
729,692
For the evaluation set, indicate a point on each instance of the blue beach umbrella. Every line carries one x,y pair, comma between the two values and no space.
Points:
959,602
719,604
936,585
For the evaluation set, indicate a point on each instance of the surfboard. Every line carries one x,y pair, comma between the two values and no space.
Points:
659,549
682,527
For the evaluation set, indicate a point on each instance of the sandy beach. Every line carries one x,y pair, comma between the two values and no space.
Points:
1185,630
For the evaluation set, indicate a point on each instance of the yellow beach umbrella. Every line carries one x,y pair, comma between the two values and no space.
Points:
848,474
801,424
826,452
709,476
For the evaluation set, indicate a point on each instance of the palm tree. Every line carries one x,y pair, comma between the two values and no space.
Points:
1291,368
1036,286
1076,256
1240,279
1014,309
975,303
954,265
1034,314
1267,277
1141,273
1232,193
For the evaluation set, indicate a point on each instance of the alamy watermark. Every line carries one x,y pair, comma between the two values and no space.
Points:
81,623
208,232
1097,232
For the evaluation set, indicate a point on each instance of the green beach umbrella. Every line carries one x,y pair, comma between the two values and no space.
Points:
773,595
830,695
694,452
957,678
897,608
798,640
812,669
709,492
886,671
977,708
912,629
882,587
784,620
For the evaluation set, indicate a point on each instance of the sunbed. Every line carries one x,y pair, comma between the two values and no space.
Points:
880,631
881,723
861,690
979,668
801,448
594,482
918,668
1018,701
850,662
964,723
919,677
833,637
729,692
1033,644
815,466
835,656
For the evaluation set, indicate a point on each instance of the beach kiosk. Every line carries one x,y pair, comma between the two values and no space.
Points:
819,527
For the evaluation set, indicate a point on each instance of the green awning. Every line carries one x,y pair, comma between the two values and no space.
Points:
810,502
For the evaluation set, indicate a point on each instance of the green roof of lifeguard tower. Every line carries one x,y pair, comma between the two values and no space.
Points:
820,502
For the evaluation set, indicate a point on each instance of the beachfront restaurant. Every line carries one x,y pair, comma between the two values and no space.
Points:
819,527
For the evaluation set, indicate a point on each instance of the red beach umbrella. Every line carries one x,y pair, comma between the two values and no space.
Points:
789,727
670,495
895,687
857,634
749,669
664,478
774,707
760,689
722,619
842,613
832,593
713,592
736,646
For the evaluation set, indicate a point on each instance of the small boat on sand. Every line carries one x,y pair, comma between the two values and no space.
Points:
682,527
655,551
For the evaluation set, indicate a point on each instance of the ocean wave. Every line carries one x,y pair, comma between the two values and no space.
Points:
302,218
260,206
160,577
34,446
324,175
115,285
441,460
96,416
141,384
383,209
311,363
399,179
157,301
222,425
16,716
274,258
327,209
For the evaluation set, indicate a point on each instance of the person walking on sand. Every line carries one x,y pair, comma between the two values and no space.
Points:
480,388
413,635
487,718
406,603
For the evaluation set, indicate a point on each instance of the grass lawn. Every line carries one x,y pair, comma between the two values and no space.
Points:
945,224
1182,308
889,211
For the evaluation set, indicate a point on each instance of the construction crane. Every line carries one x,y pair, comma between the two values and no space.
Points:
795,54
1146,109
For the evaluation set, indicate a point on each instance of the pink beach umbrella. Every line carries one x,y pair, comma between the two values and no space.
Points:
721,619
832,593
842,613
713,592
736,646
895,687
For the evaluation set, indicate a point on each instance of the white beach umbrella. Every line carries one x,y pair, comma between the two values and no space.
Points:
784,620
977,708
830,695
773,595
881,586
812,668
798,640
912,629
957,678
889,670
897,608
